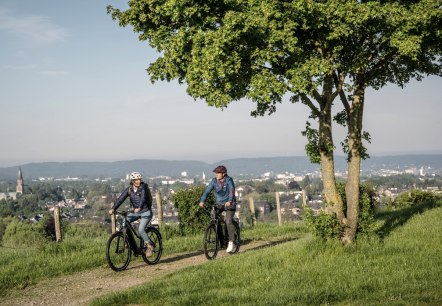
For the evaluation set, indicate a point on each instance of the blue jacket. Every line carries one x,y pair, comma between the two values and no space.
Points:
142,198
224,192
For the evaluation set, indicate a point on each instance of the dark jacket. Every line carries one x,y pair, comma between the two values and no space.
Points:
142,198
224,191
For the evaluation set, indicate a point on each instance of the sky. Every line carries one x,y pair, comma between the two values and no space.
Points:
73,87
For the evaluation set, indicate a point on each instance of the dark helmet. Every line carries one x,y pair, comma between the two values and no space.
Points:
220,169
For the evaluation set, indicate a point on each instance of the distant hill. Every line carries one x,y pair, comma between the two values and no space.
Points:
240,166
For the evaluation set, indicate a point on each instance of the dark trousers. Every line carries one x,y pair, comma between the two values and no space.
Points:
229,224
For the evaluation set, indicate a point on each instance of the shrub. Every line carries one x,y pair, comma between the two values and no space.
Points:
327,226
22,234
192,218
414,197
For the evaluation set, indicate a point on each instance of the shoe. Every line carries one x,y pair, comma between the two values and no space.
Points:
148,249
230,247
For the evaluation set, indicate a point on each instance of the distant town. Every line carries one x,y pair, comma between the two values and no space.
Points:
89,198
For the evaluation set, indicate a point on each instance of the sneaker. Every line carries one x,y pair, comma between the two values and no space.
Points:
148,249
230,247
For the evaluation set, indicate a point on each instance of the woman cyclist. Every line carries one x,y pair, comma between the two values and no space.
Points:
141,200
224,189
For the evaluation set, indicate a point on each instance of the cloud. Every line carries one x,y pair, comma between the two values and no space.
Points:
37,29
53,73
20,67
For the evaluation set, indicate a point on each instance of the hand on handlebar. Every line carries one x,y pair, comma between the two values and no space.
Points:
201,204
111,212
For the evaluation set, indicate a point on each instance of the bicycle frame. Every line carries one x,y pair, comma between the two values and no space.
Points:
220,224
123,243
132,235
216,235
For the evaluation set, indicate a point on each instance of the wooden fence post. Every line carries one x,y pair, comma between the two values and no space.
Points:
252,210
278,207
304,198
114,223
57,223
159,207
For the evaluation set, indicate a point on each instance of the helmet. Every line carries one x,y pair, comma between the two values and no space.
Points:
135,176
220,169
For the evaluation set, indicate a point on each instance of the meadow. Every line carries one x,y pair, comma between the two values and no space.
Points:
398,263
401,268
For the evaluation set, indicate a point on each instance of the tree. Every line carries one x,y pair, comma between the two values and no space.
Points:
314,51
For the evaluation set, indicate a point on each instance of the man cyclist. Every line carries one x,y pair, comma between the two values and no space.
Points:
224,188
141,200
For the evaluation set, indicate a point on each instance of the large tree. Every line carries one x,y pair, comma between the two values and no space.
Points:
317,52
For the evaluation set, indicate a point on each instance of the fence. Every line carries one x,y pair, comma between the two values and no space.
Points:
160,214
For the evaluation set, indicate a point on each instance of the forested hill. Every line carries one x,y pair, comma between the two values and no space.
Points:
247,166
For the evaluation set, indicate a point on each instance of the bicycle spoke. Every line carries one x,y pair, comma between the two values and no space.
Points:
118,252
211,242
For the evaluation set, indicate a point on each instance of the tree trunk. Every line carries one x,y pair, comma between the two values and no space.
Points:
352,195
331,194
354,163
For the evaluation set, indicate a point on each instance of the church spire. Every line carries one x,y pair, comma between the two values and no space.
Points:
19,182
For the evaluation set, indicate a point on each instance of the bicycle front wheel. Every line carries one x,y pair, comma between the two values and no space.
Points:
157,246
211,242
118,252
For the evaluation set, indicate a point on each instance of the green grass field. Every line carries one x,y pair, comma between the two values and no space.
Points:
403,268
399,264
84,248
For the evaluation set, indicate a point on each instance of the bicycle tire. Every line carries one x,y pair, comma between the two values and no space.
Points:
118,252
157,243
211,242
237,239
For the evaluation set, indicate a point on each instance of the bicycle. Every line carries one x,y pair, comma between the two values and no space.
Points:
216,235
126,240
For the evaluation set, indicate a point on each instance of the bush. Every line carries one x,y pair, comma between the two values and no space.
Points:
192,218
22,234
327,226
414,197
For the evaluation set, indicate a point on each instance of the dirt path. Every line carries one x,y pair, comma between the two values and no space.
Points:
80,288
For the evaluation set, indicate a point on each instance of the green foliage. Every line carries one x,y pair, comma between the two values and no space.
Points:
193,219
3,224
367,206
327,226
22,234
312,147
415,197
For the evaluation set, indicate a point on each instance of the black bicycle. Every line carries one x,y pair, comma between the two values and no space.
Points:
126,240
216,235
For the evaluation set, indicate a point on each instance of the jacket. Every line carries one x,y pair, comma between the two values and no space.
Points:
142,198
224,192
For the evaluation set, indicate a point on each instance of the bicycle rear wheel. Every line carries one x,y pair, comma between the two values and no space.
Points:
211,242
237,238
118,252
157,246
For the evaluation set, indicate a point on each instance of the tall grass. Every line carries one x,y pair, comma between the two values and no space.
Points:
83,247
22,265
403,268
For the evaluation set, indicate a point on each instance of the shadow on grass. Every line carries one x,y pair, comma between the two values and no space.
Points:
269,244
396,218
244,242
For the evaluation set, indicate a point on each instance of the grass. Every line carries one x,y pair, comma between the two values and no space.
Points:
402,268
83,248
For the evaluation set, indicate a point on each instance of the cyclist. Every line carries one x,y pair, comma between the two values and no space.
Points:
141,200
224,188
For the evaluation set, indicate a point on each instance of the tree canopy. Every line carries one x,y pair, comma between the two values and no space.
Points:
312,51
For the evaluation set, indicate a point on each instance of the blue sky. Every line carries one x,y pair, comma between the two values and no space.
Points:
73,87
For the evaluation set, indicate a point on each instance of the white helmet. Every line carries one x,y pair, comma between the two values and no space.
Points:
136,176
